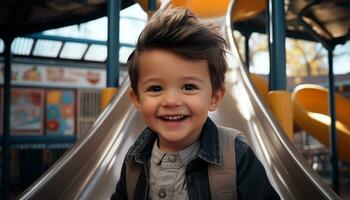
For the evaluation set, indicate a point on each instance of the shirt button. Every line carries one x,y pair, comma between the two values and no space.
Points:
172,158
162,193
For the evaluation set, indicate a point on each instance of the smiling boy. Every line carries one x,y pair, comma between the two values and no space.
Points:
174,96
177,74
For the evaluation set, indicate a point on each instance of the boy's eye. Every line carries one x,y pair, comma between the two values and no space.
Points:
189,87
154,88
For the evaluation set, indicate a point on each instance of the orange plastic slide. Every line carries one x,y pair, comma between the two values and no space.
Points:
261,85
310,104
311,114
212,9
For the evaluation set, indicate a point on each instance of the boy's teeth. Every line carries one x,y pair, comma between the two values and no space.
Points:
173,117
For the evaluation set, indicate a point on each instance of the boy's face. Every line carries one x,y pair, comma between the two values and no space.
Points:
174,96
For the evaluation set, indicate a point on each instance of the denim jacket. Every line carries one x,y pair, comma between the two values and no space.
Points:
252,182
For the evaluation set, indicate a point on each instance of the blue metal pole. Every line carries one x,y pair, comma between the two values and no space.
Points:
6,159
333,150
113,14
38,36
332,129
152,5
277,34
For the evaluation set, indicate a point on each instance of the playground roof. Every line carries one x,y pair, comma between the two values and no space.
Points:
323,21
19,17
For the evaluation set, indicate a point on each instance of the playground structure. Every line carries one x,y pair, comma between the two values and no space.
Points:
117,127
91,168
311,114
310,108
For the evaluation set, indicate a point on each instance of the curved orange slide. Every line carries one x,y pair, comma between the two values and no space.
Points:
311,114
210,8
261,85
310,104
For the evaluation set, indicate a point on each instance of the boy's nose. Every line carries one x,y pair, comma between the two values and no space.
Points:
171,99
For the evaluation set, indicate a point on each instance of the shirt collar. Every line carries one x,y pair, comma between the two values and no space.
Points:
183,156
209,149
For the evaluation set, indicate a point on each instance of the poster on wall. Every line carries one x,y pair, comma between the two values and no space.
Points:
54,76
27,108
60,112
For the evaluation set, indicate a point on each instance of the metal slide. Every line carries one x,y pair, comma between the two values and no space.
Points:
91,168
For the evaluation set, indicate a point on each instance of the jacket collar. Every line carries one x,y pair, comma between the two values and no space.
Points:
209,139
209,149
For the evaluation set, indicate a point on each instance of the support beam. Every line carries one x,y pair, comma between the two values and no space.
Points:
152,5
279,98
333,148
113,14
6,159
277,37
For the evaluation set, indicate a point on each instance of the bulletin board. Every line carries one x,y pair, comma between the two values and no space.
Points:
60,112
27,111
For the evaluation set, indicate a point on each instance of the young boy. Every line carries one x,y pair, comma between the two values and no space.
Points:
177,75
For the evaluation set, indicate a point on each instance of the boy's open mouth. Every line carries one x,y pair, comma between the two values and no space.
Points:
173,117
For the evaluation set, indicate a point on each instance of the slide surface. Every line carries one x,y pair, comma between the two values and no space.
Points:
90,170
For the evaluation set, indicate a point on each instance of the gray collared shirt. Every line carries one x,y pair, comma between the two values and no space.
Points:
167,173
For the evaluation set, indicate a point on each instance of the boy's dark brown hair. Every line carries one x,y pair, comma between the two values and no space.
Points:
181,32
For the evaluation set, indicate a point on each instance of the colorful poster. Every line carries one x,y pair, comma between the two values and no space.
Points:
60,112
26,110
37,75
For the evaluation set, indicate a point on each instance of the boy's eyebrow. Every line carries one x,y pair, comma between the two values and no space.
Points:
190,78
149,80
194,78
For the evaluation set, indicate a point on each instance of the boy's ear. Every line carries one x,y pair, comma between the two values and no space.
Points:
216,98
135,100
